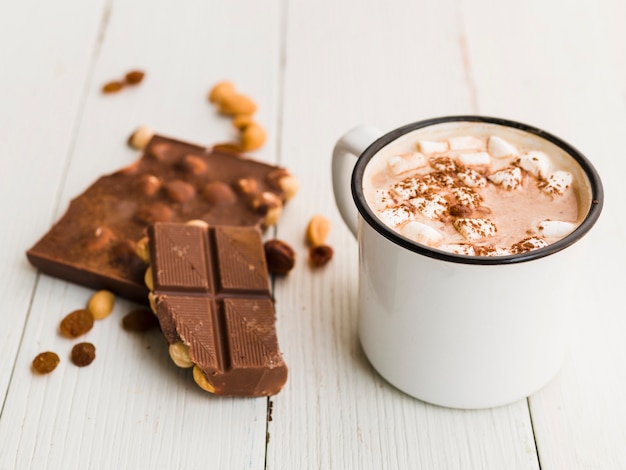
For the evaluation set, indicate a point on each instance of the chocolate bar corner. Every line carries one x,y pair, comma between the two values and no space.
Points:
210,291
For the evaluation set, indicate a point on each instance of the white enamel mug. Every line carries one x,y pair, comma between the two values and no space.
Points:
454,330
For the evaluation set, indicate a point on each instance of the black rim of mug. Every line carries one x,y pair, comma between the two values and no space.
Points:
597,194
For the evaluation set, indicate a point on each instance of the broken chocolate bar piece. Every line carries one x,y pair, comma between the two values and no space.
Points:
93,244
211,295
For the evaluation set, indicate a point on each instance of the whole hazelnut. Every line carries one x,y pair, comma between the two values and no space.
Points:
280,257
320,255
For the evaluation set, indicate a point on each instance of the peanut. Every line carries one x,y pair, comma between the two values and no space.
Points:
152,301
179,353
142,250
140,138
101,304
220,91
201,380
317,230
241,121
235,104
148,279
253,136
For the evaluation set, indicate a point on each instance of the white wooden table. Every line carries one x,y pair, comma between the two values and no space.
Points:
316,69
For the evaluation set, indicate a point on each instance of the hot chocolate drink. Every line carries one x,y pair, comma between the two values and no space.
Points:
477,189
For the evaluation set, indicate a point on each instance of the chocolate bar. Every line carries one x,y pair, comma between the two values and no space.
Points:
94,243
210,292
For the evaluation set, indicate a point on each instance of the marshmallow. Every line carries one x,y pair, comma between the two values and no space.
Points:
509,178
399,164
491,250
555,228
394,216
536,163
430,205
430,146
422,233
500,148
382,198
458,249
557,182
443,163
475,229
475,158
465,142
409,187
467,196
471,178
528,244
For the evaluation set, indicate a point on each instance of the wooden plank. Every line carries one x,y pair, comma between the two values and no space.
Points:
132,408
386,64
43,77
561,71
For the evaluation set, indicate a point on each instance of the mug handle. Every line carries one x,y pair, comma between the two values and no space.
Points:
347,149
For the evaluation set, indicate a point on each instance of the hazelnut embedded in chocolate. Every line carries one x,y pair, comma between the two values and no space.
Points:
179,191
219,193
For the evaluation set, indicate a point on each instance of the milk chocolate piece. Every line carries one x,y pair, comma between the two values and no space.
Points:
211,292
93,243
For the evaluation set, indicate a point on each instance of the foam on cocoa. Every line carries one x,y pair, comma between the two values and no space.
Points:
478,189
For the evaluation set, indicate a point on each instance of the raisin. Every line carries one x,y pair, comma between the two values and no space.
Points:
77,323
112,87
134,77
83,354
139,320
45,362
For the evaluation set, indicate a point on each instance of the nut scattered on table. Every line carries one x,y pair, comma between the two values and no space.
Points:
77,323
320,255
83,354
240,107
45,362
140,137
236,104
112,87
132,78
317,231
100,304
220,91
280,257
253,136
